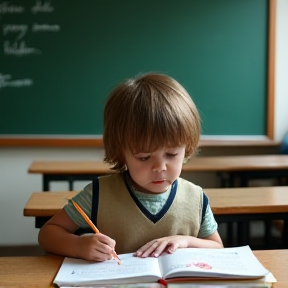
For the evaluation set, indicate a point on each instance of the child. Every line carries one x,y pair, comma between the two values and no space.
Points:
151,127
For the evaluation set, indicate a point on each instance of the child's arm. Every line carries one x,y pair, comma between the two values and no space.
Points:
57,237
170,244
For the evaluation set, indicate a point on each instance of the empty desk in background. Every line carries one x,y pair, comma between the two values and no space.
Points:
68,171
243,167
39,271
240,205
228,168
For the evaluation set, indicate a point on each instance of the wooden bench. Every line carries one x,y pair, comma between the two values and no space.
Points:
229,205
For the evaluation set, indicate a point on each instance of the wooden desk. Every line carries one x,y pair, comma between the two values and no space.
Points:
29,272
39,271
240,205
228,168
68,171
244,167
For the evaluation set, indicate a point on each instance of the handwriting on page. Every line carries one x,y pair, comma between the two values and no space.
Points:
217,261
104,270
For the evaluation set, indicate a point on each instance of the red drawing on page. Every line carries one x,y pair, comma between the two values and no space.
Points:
202,265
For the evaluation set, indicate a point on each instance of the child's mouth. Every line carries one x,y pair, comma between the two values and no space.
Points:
158,182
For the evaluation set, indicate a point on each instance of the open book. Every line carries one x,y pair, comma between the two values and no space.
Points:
183,264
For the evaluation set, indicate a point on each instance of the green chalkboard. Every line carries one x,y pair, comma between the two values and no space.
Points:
61,58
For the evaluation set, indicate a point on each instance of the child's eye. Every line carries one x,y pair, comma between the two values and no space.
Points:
171,154
143,158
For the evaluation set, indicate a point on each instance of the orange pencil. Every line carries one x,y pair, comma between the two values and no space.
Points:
92,226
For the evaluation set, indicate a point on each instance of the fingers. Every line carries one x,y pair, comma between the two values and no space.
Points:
106,240
100,257
97,247
153,248
156,247
173,247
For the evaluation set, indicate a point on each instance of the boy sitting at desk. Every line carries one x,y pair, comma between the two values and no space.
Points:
151,127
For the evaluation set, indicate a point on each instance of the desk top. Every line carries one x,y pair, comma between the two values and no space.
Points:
69,167
32,272
196,164
237,163
39,271
222,200
248,200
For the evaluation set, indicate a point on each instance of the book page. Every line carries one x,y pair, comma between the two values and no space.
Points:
136,285
198,262
221,284
78,271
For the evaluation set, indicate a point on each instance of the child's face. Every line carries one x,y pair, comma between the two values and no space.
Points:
154,172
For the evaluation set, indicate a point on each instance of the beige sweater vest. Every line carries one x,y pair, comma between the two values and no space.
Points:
120,218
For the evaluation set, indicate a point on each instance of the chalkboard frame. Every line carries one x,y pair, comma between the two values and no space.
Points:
268,139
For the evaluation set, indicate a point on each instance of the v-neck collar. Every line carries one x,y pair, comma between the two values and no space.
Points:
153,217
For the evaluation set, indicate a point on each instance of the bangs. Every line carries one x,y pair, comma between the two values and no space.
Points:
150,138
156,124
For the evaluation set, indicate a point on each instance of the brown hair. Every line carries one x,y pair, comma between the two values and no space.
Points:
148,112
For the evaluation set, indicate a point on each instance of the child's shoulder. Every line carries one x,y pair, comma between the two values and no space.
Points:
102,179
113,180
189,186
111,177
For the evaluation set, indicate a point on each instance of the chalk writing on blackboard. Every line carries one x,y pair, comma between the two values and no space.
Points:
7,8
19,29
43,7
19,49
7,81
45,27
39,7
17,46
16,37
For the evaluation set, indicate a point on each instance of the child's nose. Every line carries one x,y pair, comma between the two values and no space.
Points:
159,166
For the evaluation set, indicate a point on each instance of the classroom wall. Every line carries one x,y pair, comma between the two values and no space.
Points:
16,184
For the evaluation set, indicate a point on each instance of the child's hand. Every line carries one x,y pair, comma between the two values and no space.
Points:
95,247
169,244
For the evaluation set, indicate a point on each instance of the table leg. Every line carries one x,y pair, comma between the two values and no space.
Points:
71,185
230,234
45,183
285,234
268,237
243,233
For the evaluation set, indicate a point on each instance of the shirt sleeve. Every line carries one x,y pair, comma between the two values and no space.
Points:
84,200
209,225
